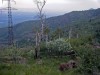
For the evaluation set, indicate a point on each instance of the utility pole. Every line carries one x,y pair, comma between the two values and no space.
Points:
10,23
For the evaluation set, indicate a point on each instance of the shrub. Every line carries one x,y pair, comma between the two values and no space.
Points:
59,45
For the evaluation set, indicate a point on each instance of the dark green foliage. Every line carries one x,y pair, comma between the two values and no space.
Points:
5,66
97,36
89,58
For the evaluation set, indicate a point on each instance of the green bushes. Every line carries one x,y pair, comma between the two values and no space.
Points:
88,54
59,45
89,58
55,48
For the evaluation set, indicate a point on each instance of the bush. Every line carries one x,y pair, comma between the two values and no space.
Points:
55,48
89,58
59,45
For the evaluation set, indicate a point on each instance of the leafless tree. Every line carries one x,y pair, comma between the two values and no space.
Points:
37,42
40,34
40,5
37,48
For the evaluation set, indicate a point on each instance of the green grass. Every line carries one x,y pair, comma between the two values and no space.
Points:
48,67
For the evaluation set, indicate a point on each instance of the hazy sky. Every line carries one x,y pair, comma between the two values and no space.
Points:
57,6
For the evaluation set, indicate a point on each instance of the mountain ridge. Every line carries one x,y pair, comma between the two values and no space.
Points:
26,29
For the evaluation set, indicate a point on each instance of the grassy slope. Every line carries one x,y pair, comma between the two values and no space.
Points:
48,67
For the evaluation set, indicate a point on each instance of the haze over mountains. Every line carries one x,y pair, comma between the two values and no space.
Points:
26,29
21,16
18,17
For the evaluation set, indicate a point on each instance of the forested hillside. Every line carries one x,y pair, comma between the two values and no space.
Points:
82,22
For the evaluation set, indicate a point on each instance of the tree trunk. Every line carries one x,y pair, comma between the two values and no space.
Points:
46,39
37,49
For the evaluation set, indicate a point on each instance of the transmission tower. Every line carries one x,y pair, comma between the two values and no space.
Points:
10,23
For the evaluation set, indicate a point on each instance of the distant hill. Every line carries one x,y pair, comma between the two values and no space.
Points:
80,18
17,17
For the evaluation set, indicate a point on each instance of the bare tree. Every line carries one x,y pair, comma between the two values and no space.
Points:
37,48
37,42
40,5
40,34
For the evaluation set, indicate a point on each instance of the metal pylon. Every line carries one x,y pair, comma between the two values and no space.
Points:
10,23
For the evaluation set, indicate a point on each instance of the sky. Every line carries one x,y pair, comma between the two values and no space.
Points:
56,6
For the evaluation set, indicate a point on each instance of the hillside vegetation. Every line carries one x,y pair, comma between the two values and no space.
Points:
77,19
72,46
